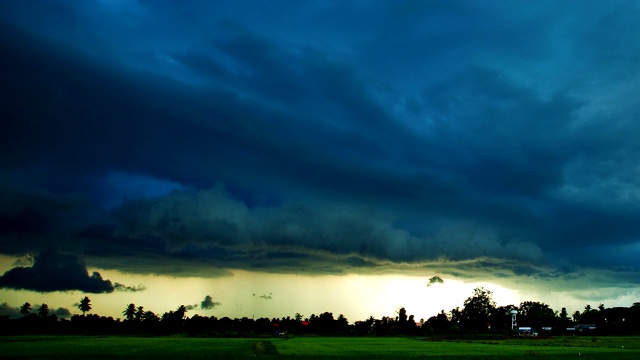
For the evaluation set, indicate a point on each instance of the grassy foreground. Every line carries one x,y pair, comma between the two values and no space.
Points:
49,347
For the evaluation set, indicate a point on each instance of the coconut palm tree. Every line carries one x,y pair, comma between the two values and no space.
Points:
25,309
140,313
130,312
43,310
85,305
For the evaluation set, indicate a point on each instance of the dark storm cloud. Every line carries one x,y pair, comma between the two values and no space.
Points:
53,271
393,134
215,127
33,219
212,224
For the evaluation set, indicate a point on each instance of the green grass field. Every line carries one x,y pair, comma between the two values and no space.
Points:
66,347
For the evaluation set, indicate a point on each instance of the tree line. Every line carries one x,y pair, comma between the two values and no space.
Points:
478,315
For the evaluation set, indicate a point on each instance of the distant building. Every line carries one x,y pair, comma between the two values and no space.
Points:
585,328
546,330
527,331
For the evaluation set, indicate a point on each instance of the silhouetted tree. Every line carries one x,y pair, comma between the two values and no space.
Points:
383,326
181,312
130,312
589,315
410,327
563,314
25,309
456,318
168,316
438,324
342,324
478,308
406,325
43,310
84,305
150,316
402,315
139,313
501,318
173,321
576,316
564,319
323,324
364,327
535,314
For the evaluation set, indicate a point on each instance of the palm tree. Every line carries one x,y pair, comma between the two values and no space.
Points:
140,313
25,309
168,315
85,305
130,311
43,311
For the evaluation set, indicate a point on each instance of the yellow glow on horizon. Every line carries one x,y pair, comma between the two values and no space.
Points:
257,294
253,294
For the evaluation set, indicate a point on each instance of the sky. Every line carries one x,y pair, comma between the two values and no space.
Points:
267,158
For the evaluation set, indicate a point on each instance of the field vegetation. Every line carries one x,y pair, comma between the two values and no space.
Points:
479,316
301,347
479,330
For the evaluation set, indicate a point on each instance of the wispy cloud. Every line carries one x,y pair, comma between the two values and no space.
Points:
122,287
264,296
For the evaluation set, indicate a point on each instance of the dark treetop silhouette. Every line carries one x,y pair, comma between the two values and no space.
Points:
480,315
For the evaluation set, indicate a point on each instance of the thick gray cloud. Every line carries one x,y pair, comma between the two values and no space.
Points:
52,271
212,220
496,136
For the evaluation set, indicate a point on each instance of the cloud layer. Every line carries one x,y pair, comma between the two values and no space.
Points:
397,135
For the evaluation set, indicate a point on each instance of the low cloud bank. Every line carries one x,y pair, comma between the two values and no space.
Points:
53,271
